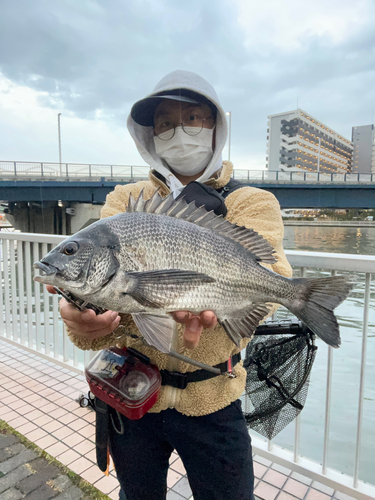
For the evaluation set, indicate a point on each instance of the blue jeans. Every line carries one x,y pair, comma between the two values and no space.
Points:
215,450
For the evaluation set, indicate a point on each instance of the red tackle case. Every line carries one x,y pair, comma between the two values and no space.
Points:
125,380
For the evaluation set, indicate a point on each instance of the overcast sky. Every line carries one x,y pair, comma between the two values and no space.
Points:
92,59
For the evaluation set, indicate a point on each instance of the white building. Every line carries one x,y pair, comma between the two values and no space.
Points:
363,138
299,142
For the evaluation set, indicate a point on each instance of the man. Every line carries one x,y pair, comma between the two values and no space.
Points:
180,130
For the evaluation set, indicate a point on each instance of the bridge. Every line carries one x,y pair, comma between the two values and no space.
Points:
65,186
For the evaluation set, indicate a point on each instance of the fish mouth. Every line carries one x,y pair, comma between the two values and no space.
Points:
47,271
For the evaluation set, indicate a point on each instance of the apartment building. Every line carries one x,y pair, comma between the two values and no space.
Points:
299,142
363,138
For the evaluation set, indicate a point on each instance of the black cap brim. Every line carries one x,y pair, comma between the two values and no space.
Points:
143,111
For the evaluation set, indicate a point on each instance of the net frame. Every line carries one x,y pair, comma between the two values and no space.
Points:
277,388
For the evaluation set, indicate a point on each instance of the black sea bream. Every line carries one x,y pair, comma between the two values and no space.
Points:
164,255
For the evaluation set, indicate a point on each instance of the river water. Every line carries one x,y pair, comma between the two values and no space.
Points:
346,363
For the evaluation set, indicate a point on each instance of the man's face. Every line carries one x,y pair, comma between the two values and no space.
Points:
171,114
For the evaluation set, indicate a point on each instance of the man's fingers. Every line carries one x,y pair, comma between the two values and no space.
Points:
208,319
86,323
71,313
92,334
194,325
50,289
192,333
91,330
181,316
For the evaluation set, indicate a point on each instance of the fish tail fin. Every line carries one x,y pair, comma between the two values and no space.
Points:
315,300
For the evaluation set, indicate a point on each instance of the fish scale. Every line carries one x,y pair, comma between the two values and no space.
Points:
164,255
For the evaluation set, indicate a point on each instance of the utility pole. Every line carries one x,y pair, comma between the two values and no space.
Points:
58,126
229,113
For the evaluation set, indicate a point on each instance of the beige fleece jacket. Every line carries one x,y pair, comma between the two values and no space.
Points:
247,206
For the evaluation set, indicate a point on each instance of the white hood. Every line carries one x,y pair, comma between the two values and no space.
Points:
144,136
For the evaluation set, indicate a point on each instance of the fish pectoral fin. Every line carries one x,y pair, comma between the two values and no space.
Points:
157,330
150,288
242,326
170,277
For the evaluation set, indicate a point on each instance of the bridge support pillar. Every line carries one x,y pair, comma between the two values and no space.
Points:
83,215
51,217
32,217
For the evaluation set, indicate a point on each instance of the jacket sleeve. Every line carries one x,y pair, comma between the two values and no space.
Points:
259,210
116,202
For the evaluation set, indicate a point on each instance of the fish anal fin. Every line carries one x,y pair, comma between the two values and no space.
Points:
244,325
157,330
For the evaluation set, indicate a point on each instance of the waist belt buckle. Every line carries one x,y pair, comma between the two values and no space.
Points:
230,373
179,380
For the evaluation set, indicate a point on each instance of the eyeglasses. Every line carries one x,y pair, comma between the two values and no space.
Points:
191,124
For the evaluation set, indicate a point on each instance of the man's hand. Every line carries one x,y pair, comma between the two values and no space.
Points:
194,325
86,324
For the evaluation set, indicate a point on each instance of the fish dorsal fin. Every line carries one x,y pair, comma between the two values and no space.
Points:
180,209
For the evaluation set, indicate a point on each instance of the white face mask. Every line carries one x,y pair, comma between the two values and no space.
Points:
186,154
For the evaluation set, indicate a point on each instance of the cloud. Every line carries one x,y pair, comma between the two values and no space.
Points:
29,132
93,59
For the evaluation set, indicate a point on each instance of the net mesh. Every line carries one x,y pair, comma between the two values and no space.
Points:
278,363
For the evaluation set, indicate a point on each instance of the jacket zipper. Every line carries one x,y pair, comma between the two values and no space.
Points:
172,394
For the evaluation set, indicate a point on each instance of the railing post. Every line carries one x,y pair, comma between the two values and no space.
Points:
90,171
15,169
248,175
262,175
304,176
277,175
111,171
358,177
41,169
131,171
331,177
362,377
328,405
66,168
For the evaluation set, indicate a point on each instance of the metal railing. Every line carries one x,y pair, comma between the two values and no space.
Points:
78,171
329,223
300,176
31,320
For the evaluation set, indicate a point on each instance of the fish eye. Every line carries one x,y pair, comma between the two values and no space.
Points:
70,248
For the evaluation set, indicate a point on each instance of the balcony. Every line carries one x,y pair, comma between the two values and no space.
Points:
330,446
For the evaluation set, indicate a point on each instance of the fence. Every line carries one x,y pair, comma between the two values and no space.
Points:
56,171
31,320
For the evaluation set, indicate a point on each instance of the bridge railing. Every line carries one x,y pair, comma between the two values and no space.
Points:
300,176
76,171
79,171
31,320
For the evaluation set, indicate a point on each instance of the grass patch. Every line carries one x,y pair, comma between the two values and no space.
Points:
89,490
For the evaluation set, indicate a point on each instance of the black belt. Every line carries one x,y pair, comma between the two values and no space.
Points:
181,380
175,379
